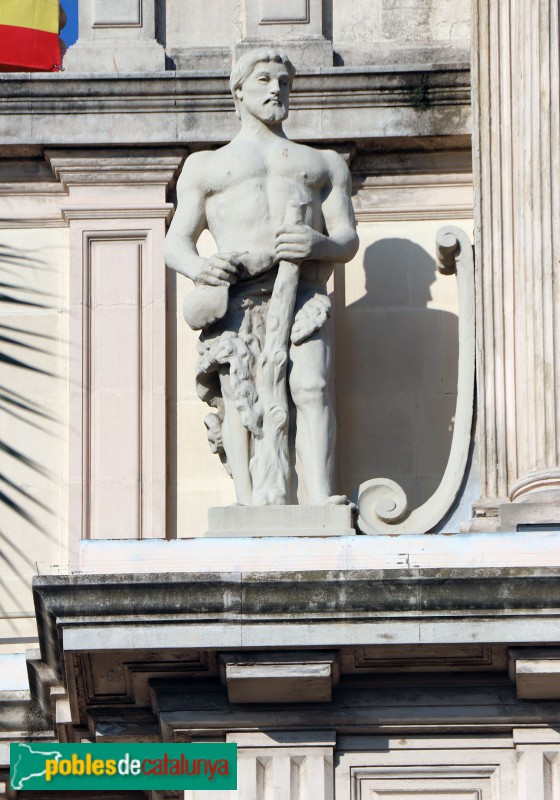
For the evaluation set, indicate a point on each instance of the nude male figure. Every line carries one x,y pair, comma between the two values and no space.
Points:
241,193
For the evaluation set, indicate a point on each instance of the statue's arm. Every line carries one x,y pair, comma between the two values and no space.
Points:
180,251
342,240
340,243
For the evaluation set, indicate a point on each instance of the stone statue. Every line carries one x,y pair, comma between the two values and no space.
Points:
281,216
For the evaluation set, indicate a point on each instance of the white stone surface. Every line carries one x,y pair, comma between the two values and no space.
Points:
33,414
280,521
199,36
515,630
13,673
382,503
398,31
353,552
396,408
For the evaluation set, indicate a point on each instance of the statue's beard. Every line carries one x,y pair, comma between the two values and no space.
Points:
274,111
269,111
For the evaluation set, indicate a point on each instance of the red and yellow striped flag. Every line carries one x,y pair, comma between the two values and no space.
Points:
29,35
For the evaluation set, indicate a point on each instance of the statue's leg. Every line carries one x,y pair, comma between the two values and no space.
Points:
236,444
315,421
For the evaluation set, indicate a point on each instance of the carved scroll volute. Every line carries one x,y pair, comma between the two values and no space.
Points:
382,503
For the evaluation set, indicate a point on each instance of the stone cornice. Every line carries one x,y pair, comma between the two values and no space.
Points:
168,629
177,107
313,608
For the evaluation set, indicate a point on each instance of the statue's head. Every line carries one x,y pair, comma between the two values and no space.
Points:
260,82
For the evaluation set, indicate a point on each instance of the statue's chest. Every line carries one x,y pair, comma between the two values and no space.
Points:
265,170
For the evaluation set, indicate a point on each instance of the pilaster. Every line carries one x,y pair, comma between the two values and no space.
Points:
116,211
116,37
294,25
293,765
516,149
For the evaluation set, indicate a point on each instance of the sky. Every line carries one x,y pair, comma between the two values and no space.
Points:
70,32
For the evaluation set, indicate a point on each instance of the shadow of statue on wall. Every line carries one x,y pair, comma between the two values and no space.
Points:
396,373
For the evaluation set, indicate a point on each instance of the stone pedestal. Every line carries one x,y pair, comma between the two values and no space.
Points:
295,26
280,521
116,37
516,72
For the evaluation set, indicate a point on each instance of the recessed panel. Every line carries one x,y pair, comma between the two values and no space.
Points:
117,13
426,787
284,11
115,383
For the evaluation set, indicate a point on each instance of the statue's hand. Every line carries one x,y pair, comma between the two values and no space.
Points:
221,269
257,261
310,318
296,242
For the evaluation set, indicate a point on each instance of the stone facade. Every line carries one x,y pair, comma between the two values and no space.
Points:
344,666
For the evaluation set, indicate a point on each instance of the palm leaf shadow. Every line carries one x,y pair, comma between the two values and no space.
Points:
20,291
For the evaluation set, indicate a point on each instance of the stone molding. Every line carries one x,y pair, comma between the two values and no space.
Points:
111,167
394,182
312,50
158,636
97,613
119,494
527,515
185,712
197,107
475,773
163,211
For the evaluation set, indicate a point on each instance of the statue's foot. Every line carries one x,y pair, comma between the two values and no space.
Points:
271,497
339,500
336,500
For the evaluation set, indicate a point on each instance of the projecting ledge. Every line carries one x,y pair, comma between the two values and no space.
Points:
298,610
281,677
290,553
338,103
536,672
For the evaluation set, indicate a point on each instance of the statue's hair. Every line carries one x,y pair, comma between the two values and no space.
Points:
244,66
